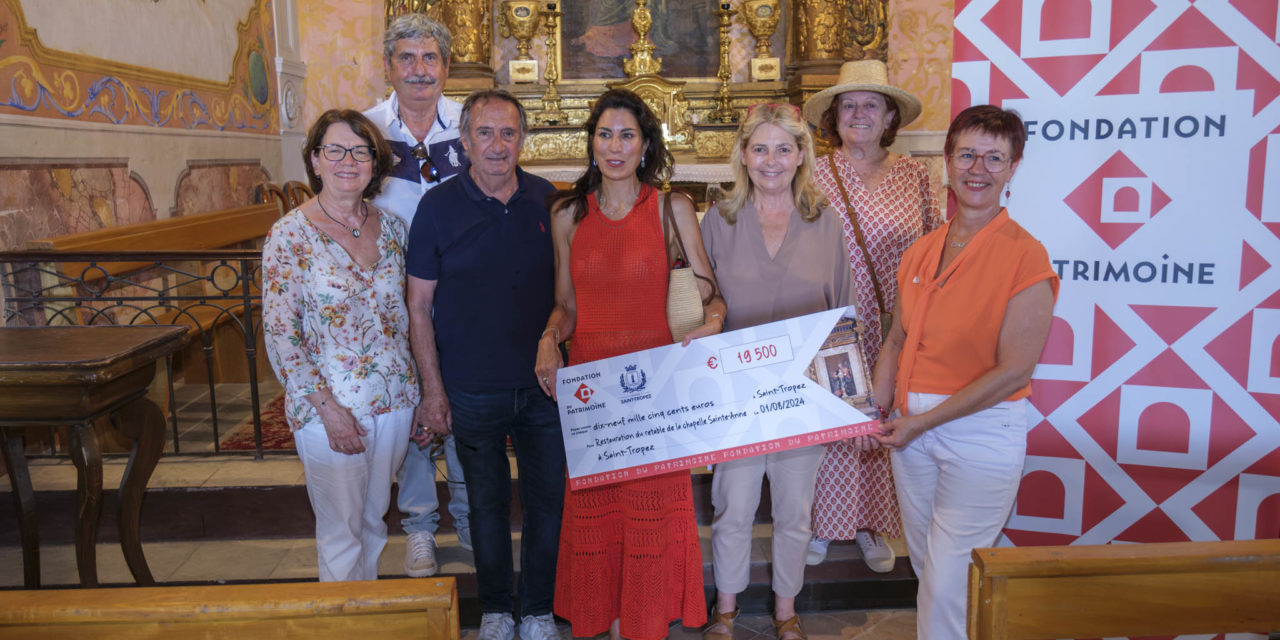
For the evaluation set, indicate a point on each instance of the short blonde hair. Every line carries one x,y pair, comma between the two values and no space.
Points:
808,197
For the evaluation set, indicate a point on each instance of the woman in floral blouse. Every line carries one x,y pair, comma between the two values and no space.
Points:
337,334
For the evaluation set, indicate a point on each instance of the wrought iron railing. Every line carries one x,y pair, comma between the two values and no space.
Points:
215,294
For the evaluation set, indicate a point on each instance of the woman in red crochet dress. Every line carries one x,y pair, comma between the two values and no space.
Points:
630,562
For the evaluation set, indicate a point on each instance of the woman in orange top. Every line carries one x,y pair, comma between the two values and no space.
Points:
975,299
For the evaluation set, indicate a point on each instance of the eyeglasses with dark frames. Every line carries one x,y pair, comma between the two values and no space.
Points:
336,152
429,171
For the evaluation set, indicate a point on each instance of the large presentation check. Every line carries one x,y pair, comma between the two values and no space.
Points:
743,393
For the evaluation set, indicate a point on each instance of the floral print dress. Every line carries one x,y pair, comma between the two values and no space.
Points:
331,323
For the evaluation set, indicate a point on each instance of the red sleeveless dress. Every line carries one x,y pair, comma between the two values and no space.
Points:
628,550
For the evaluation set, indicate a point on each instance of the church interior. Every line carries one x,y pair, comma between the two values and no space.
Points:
172,130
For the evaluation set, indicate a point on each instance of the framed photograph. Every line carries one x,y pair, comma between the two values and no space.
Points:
841,365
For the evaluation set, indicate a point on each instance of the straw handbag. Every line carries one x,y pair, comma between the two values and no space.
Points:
684,303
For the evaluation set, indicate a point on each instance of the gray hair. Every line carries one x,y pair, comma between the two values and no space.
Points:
484,95
414,26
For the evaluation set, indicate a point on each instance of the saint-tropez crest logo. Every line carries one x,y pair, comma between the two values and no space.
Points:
632,379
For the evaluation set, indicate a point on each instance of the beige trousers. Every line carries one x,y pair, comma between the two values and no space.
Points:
735,493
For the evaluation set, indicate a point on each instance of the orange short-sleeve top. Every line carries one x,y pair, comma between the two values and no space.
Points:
953,320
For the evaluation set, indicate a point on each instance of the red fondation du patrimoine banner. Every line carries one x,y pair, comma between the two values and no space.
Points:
1152,175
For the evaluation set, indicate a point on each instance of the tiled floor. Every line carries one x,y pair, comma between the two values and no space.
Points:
886,624
891,624
193,410
294,558
243,559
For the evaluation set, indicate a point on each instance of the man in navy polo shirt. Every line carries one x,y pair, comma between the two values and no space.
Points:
481,286
421,125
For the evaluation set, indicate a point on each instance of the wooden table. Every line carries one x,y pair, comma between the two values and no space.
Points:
72,376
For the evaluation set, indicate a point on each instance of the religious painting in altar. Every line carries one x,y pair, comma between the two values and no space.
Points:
597,36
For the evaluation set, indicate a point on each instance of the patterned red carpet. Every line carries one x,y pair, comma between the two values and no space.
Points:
275,430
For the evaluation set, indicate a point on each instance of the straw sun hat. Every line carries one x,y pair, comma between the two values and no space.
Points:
862,75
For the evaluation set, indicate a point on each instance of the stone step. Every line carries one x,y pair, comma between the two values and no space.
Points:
255,512
195,531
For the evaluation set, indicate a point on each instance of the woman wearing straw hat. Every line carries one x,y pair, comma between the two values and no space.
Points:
886,203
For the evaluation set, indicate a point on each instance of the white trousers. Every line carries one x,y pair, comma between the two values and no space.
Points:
735,494
350,493
956,487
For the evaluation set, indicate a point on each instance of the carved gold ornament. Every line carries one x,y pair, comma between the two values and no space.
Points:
555,145
819,25
868,30
551,113
396,8
762,18
724,111
468,21
520,19
642,61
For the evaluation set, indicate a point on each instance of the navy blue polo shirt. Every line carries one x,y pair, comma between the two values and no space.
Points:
494,268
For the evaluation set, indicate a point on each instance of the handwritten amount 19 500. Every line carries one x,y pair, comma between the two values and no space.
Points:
761,353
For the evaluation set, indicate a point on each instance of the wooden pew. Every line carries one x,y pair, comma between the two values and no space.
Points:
1124,590
228,228
265,192
213,230
297,193
398,608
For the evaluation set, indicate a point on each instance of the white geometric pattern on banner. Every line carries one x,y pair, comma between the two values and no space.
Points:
1152,176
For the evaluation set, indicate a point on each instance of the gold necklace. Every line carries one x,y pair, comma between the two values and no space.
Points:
607,208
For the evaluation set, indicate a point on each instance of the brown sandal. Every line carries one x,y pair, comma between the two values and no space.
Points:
725,619
790,625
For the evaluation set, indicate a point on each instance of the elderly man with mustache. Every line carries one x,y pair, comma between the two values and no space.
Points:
421,125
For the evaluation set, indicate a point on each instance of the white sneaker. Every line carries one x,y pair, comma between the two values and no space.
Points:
420,555
496,626
875,551
541,627
817,551
464,538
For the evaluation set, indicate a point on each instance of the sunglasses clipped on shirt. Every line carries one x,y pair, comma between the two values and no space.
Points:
429,171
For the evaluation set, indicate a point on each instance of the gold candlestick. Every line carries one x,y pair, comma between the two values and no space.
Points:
762,17
724,111
551,113
642,61
520,19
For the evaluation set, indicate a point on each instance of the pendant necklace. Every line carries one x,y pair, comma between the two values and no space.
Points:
355,231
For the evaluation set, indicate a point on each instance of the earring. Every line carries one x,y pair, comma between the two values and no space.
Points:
641,162
1008,189
593,162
